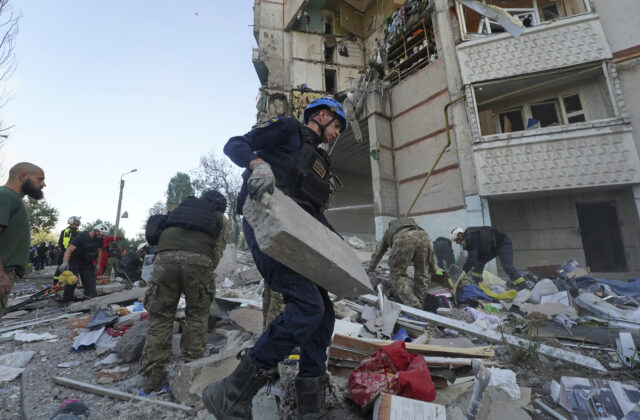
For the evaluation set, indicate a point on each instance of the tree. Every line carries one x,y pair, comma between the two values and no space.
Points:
8,32
42,216
158,208
124,242
178,189
40,237
215,173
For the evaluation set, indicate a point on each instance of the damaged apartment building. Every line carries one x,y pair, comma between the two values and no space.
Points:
542,112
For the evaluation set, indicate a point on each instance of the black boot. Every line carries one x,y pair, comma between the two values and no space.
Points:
310,395
230,398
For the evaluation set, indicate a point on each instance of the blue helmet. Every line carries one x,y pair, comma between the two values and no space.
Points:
328,103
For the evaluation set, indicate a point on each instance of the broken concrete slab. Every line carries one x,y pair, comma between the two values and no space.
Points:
227,264
190,378
106,344
497,404
102,289
110,360
290,235
130,345
251,275
498,337
123,296
249,319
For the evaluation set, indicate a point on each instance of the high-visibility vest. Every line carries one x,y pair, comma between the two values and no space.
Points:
66,237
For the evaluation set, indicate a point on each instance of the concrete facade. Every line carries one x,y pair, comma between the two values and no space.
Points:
564,71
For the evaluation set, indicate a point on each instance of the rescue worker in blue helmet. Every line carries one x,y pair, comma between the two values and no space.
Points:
283,152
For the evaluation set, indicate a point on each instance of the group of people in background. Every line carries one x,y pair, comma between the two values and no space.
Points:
43,255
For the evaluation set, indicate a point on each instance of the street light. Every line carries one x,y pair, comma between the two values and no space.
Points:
115,232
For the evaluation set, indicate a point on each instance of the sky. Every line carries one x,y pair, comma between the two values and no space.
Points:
104,87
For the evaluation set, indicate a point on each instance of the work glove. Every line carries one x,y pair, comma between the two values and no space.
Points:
63,267
261,180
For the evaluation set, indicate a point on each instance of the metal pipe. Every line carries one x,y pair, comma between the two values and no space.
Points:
627,58
354,207
446,146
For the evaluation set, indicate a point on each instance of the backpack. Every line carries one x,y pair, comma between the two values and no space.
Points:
154,227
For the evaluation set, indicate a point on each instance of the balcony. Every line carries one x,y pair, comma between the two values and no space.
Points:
566,42
586,155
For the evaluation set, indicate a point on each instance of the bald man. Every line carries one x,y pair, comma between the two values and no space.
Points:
24,179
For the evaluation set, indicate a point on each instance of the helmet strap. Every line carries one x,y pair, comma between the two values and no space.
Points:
323,127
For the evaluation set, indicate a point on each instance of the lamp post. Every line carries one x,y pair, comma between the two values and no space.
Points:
115,231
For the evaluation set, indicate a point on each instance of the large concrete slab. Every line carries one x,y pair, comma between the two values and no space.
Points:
118,297
290,235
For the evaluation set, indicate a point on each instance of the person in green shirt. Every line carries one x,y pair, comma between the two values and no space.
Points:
24,179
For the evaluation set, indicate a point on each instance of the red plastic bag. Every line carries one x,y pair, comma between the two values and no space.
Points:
393,370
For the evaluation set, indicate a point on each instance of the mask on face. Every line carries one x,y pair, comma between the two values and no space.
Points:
29,189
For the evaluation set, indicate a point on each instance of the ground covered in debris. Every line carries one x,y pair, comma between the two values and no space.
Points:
451,336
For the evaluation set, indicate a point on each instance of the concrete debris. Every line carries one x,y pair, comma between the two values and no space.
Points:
627,351
110,360
251,275
26,337
190,378
389,407
505,379
542,288
12,364
106,344
343,311
69,364
129,346
19,325
107,376
248,318
287,233
101,301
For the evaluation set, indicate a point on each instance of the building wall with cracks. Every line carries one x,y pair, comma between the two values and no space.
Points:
491,173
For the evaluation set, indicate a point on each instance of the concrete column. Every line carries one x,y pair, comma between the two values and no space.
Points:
636,198
383,178
445,26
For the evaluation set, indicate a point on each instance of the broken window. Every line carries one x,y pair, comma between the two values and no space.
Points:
329,80
546,112
601,237
511,120
529,12
574,109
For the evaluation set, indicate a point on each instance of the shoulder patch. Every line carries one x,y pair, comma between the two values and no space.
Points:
265,124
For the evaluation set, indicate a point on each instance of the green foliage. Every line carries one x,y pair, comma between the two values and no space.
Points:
220,174
42,216
178,189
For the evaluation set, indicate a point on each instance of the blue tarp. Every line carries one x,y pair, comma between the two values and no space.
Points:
621,288
473,292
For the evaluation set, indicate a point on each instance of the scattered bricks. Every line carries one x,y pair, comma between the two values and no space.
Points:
107,376
290,235
130,345
190,378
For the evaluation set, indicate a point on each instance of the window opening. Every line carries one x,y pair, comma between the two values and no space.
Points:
546,112
330,80
601,236
328,26
328,54
574,108
511,120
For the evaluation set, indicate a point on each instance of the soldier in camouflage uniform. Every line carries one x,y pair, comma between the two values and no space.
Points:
186,259
272,305
408,243
114,258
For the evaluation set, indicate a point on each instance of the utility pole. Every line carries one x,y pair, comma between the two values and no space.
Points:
115,231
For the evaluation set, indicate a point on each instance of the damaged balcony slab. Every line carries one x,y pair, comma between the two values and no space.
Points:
287,233
498,337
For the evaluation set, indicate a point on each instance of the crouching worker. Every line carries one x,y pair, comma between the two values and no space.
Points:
484,243
189,250
409,243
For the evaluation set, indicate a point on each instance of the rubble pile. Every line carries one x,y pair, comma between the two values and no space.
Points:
565,347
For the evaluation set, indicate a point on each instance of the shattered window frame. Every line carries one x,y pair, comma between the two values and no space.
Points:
525,107
484,28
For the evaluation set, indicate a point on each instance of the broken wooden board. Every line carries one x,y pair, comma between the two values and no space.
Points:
498,337
343,347
118,395
124,296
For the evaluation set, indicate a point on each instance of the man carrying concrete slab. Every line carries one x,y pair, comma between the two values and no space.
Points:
283,152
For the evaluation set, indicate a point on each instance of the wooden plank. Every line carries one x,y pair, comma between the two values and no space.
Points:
370,346
25,324
118,395
498,337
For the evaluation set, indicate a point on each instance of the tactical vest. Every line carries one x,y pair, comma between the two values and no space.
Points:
197,214
304,175
487,242
67,236
397,224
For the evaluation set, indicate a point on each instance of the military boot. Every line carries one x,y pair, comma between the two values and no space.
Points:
310,396
230,398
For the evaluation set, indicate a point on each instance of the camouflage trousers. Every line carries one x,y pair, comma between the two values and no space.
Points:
112,264
413,246
272,305
4,299
174,273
